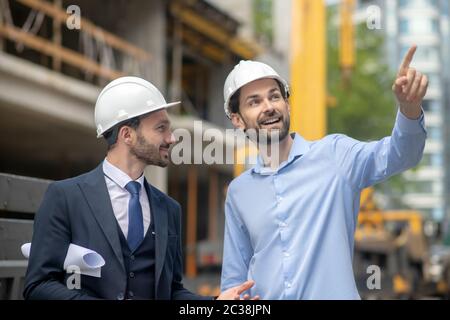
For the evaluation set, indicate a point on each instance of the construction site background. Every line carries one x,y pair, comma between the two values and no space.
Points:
340,57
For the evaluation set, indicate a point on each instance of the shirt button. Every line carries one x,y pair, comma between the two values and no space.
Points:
288,284
131,274
120,296
283,225
286,254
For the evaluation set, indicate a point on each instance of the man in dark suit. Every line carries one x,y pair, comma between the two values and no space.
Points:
114,211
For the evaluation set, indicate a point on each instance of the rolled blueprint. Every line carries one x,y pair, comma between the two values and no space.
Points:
84,260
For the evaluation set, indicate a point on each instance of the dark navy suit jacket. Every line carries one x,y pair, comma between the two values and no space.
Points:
79,211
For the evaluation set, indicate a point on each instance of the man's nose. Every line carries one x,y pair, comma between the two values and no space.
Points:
172,138
267,106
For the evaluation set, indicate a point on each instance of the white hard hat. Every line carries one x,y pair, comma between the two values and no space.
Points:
126,98
245,72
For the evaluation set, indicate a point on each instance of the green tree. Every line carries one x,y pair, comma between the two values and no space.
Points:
263,21
365,106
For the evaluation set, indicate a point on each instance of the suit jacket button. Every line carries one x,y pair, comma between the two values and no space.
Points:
131,274
120,296
132,257
131,294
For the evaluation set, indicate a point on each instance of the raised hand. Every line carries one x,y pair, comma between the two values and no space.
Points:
410,87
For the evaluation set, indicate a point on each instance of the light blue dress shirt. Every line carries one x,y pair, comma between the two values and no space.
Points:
292,230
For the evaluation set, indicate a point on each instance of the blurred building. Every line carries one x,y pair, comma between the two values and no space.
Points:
425,23
445,25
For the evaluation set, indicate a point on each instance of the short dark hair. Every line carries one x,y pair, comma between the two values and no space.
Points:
234,100
111,135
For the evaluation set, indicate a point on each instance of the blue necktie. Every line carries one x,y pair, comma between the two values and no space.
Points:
135,219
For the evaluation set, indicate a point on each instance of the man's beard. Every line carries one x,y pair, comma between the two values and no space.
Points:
264,136
149,153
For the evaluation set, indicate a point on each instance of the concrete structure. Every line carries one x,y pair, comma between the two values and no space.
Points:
50,112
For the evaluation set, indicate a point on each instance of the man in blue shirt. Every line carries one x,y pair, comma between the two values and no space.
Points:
290,221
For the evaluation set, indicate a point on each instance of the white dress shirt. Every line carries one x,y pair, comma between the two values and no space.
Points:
116,180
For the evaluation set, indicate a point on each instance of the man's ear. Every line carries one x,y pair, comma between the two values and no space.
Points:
125,134
237,121
288,105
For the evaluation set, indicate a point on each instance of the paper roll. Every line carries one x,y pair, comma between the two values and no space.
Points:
25,248
78,259
88,261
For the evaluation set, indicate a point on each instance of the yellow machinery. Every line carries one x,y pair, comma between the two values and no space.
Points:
395,237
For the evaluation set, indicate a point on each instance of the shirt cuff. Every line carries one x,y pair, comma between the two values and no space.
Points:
410,126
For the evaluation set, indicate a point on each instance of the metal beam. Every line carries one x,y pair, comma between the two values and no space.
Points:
308,69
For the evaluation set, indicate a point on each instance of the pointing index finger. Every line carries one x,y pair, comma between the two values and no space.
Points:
407,61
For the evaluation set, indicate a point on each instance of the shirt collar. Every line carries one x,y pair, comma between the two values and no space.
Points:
118,176
299,147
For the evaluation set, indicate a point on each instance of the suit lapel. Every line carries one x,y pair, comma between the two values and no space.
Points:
96,193
159,214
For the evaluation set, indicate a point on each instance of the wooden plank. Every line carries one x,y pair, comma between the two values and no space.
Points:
14,271
69,56
177,63
21,194
191,241
208,50
57,38
213,205
13,234
214,32
89,27
13,268
13,265
2,44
